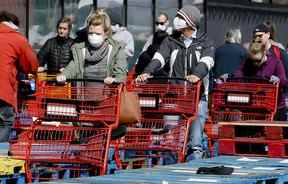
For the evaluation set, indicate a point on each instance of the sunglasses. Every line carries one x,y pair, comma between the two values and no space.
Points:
160,23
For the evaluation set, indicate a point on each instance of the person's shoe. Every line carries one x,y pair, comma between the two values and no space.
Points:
194,155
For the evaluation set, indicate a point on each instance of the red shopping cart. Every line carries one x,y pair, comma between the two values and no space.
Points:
244,99
159,98
63,144
77,100
168,95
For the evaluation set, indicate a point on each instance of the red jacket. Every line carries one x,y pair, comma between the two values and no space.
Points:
16,55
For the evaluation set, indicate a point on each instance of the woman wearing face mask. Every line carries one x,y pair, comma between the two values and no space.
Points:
98,58
262,64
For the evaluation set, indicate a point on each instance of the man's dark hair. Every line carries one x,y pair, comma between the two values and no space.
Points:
65,20
9,17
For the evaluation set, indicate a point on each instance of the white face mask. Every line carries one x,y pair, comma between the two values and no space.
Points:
162,27
179,23
95,40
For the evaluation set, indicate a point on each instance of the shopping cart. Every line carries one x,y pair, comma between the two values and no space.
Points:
62,144
244,99
71,124
157,134
77,100
168,95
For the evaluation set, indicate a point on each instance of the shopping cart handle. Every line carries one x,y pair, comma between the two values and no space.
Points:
248,79
167,78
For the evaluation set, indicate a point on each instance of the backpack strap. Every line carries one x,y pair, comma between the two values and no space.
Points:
276,52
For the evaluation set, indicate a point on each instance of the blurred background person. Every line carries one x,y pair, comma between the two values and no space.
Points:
162,24
230,55
56,52
16,56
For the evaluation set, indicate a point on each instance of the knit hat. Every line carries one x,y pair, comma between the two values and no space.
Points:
191,14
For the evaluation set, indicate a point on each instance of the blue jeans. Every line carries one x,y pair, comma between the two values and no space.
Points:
7,118
197,127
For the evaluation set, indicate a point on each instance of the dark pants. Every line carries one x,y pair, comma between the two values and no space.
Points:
7,118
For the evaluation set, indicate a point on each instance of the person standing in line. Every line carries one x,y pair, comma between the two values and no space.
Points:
56,52
192,57
230,55
16,56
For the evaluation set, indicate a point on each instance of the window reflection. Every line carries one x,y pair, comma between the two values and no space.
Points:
169,7
43,17
115,10
17,7
78,12
139,15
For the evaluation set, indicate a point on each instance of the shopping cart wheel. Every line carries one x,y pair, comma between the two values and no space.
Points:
119,132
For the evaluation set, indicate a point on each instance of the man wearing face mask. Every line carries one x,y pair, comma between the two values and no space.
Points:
100,57
162,24
189,57
56,52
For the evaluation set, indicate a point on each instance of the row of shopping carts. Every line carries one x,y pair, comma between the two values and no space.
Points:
70,124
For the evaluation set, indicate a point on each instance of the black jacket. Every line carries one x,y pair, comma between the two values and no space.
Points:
197,59
55,53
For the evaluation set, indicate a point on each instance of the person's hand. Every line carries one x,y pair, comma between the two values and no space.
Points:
109,80
192,78
41,69
224,77
61,69
143,77
274,79
61,78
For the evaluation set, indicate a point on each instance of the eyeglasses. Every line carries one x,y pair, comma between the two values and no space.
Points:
159,23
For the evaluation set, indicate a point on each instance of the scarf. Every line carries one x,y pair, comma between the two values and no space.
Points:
95,55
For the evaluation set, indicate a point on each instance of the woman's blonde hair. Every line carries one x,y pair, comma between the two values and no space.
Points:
100,17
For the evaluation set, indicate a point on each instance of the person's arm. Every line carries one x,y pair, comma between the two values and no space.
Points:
129,48
147,43
206,61
43,53
73,68
160,58
120,66
280,73
28,62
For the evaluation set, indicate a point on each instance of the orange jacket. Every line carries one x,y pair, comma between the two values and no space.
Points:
16,55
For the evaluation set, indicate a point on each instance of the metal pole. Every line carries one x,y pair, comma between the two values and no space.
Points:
27,18
125,6
95,4
62,8
153,14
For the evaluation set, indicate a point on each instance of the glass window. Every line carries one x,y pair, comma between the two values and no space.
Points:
260,1
78,12
139,20
115,10
17,7
169,7
200,5
280,2
43,18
